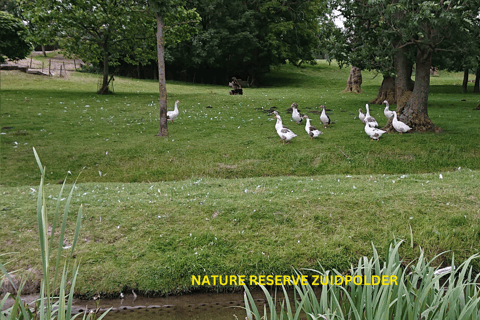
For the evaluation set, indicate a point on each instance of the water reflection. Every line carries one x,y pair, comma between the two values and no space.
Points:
200,306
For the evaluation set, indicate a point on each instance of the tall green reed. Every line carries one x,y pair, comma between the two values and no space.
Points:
421,292
49,306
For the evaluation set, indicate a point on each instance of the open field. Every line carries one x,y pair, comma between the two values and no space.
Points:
221,194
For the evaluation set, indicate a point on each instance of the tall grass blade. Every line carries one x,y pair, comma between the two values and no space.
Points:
42,170
57,210
77,228
252,308
62,231
2,268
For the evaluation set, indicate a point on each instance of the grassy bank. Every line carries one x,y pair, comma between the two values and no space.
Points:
154,236
221,194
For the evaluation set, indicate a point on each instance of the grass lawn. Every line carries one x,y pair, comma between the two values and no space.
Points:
221,194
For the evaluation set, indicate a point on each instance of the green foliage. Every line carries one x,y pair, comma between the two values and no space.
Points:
375,29
48,305
13,43
244,39
421,291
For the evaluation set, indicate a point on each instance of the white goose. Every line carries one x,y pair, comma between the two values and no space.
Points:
372,132
283,132
369,119
296,116
311,130
279,123
324,118
172,115
398,125
387,112
361,116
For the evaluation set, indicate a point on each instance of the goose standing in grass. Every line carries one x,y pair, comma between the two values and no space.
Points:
387,112
283,132
296,116
279,123
372,132
324,118
311,130
399,125
369,119
361,116
172,115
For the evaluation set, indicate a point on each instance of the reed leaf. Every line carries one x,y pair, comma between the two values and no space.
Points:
57,210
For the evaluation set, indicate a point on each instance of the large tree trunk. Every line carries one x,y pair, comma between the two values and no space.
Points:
403,84
386,91
43,51
414,113
403,71
104,89
162,86
354,81
465,80
477,80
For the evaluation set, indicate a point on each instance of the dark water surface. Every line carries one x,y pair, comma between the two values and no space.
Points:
200,306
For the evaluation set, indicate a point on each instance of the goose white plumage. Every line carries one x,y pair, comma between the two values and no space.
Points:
324,118
172,115
387,112
311,130
361,116
279,123
369,119
372,132
283,132
399,125
296,116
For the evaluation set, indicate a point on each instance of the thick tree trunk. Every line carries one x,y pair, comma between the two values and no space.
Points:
162,86
403,84
386,91
477,80
354,81
403,71
415,113
465,80
43,51
104,89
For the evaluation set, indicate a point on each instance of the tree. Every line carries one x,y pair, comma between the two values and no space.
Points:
165,11
408,31
245,38
354,81
13,43
99,31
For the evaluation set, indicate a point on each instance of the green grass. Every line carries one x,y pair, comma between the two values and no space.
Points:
155,236
221,194
230,140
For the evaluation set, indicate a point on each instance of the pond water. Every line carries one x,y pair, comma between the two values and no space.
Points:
201,306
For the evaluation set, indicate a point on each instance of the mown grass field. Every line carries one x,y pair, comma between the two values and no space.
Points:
221,194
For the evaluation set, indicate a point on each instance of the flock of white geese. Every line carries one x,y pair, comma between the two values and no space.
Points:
370,123
286,134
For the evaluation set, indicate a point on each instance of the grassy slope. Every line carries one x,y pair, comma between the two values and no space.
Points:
283,210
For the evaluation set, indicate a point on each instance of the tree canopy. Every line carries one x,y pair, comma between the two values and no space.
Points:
392,35
13,33
244,38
